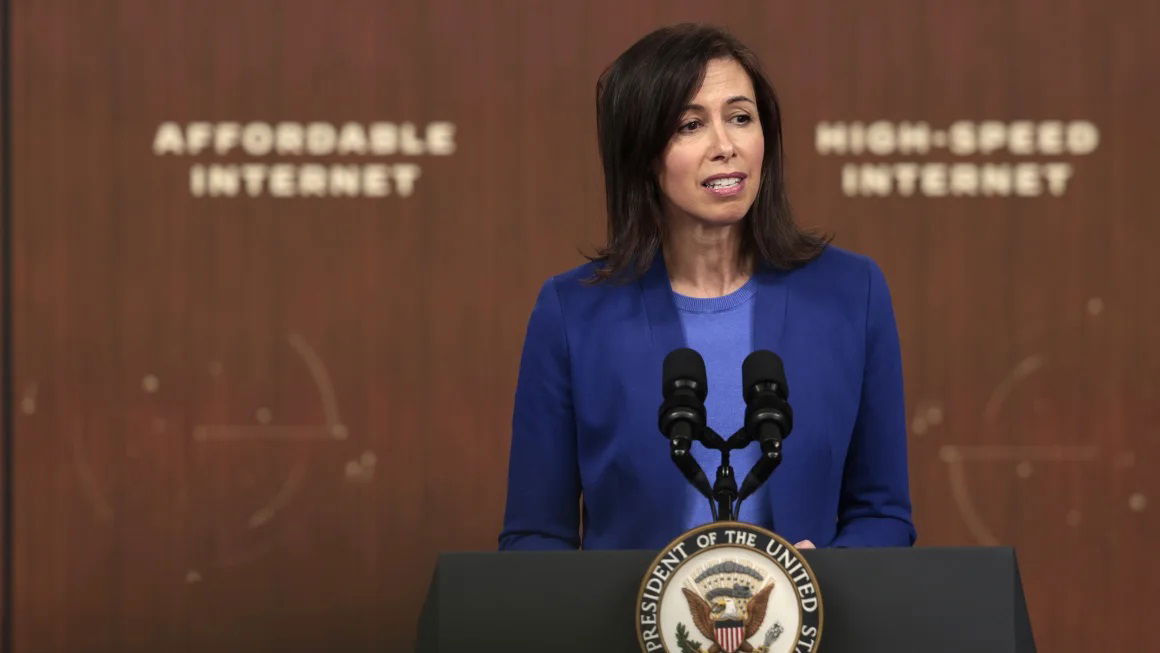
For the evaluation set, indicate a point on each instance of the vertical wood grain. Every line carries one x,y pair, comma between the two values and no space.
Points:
5,339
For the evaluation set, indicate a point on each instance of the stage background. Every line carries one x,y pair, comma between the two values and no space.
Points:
249,423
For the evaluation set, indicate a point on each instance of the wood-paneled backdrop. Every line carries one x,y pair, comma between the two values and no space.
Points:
249,423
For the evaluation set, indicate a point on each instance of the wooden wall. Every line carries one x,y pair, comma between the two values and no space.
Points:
5,333
249,423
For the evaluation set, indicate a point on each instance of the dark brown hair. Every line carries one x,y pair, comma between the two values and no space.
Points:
639,101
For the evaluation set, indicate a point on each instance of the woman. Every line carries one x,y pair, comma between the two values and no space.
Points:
703,252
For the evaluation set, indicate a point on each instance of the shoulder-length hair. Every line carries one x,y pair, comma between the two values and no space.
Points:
639,102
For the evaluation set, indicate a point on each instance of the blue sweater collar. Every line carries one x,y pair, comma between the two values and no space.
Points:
665,323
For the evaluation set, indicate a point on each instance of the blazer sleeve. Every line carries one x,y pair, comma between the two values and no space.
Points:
543,500
874,506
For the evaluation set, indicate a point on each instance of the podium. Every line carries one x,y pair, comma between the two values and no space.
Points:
950,600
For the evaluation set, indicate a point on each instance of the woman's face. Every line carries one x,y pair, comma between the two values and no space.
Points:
711,169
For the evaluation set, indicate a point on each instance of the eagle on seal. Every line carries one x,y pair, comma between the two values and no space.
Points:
730,616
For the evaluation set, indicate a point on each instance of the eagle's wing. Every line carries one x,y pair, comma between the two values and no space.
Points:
756,610
699,608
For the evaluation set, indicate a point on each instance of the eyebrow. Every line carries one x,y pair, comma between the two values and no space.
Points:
733,100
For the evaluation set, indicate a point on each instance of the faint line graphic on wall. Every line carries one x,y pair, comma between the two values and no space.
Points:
333,429
1023,458
956,457
102,509
241,539
1023,369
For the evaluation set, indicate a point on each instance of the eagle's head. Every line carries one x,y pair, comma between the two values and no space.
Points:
728,608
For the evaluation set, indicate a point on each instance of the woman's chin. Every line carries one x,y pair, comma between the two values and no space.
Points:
706,217
721,219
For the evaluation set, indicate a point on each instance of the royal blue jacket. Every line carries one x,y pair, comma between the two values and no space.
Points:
585,435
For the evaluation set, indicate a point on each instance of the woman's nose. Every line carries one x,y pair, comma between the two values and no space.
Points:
722,146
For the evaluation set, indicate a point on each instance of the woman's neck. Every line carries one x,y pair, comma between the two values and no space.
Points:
705,260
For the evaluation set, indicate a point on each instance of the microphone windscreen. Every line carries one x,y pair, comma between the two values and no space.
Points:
763,366
684,365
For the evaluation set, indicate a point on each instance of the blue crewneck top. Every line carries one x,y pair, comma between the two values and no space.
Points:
721,330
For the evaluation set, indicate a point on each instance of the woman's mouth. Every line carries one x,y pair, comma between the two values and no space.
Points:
723,186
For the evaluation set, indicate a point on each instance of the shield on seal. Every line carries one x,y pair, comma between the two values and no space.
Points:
729,634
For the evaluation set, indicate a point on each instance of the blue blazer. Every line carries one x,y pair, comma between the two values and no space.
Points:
586,449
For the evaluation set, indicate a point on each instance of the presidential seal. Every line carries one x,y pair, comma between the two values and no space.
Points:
728,587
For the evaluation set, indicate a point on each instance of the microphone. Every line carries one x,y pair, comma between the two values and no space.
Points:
684,387
682,415
768,416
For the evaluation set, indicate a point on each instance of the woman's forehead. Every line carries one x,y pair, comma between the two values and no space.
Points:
725,80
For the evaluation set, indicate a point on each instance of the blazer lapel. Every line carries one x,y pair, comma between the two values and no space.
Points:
663,322
770,310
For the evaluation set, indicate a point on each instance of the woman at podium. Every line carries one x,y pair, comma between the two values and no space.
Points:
703,252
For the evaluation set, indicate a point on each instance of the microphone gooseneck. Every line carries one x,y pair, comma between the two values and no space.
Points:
681,419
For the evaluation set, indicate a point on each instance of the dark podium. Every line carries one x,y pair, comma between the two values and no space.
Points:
950,600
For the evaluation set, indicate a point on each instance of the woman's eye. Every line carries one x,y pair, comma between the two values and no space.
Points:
742,118
690,126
